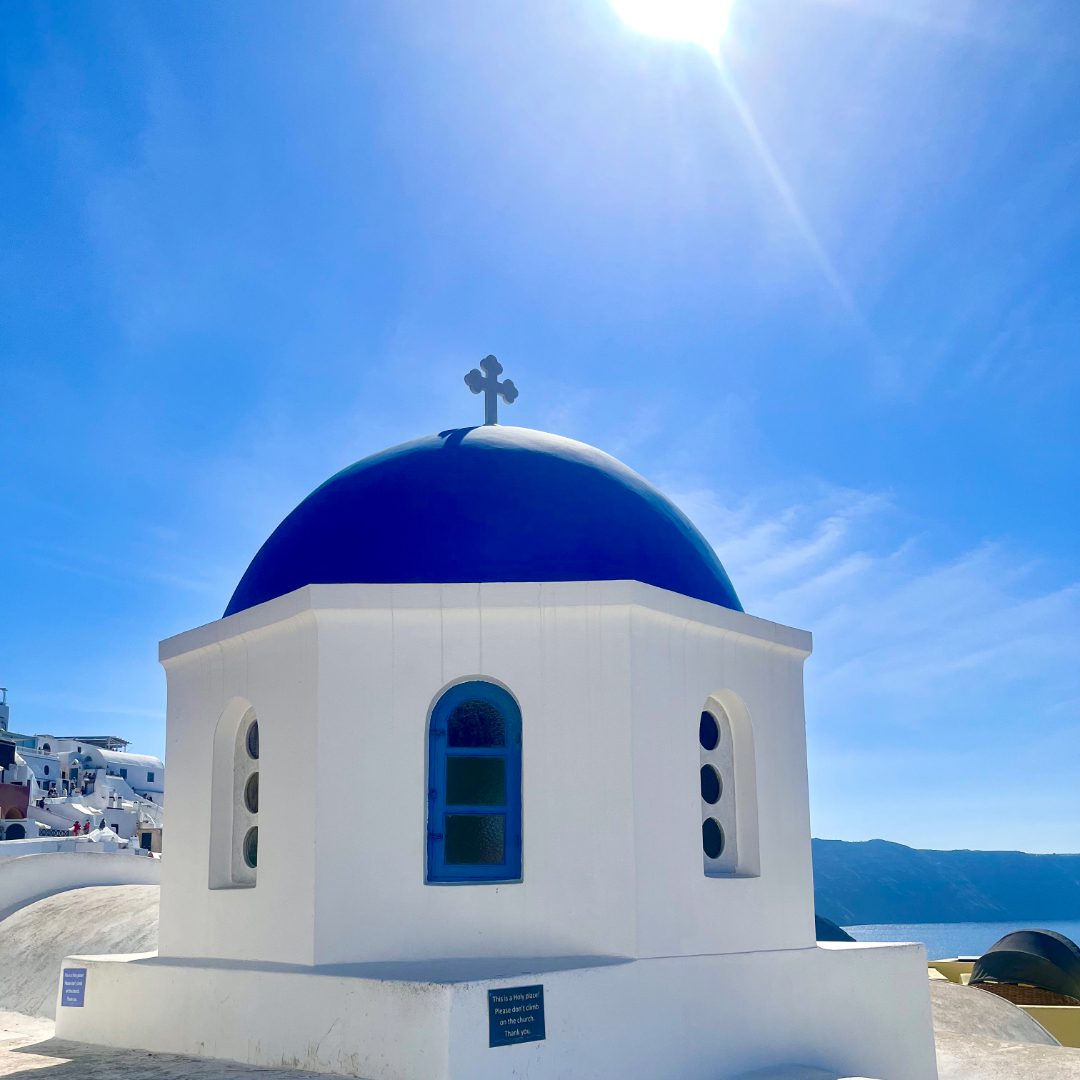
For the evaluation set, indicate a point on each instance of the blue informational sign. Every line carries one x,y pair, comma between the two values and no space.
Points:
73,990
515,1015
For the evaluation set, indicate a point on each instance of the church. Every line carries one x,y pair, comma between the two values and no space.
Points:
535,801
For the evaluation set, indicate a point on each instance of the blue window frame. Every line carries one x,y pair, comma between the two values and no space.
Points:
474,786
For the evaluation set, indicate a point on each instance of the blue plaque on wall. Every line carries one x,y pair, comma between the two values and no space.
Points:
73,989
515,1015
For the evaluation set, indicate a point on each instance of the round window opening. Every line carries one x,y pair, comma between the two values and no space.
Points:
708,731
712,838
251,793
252,740
251,847
711,785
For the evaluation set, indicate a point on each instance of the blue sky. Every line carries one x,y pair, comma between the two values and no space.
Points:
244,245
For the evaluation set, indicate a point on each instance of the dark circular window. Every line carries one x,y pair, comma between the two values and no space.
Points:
711,784
252,740
46,770
708,731
712,838
251,793
251,847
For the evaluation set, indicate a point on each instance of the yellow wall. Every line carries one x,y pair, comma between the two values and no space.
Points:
1062,1021
952,969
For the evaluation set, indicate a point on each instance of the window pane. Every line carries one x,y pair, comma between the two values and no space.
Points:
708,731
711,784
475,781
252,740
475,838
712,838
476,723
251,847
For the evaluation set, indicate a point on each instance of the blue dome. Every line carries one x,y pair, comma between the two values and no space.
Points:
486,504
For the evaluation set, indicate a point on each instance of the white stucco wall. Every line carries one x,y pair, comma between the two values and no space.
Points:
682,657
273,668
565,659
855,1010
341,958
144,774
38,761
611,678
30,877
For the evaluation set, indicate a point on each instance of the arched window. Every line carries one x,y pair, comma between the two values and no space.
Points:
474,786
234,809
728,788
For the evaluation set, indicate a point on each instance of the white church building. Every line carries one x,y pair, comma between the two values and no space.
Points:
559,783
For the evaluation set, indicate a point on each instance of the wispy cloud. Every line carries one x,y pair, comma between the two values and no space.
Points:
927,666
88,564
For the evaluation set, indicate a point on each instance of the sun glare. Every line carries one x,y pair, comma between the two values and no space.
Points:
702,22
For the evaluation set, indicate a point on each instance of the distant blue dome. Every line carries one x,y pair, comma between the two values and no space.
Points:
486,504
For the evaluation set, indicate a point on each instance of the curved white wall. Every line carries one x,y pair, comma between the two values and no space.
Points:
27,878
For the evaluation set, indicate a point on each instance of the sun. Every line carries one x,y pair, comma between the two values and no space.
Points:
702,22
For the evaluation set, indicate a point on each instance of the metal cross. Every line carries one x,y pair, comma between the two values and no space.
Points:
488,384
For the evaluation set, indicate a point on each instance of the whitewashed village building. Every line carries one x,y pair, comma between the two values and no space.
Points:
553,817
49,785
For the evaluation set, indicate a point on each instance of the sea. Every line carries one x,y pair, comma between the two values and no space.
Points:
944,940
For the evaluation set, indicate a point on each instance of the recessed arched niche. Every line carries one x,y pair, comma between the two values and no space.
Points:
727,779
234,802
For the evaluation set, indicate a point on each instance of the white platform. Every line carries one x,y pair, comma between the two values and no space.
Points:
859,1010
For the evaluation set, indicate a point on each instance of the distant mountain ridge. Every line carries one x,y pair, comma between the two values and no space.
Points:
875,881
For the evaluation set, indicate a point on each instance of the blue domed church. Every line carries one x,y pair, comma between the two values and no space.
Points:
535,798
486,504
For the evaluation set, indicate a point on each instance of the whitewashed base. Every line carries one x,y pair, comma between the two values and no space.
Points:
856,1010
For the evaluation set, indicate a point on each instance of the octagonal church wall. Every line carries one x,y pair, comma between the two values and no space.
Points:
565,658
610,678
273,669
687,658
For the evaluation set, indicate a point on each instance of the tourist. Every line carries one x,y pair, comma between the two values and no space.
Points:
77,828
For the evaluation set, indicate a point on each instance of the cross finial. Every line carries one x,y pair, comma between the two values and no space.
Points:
488,384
